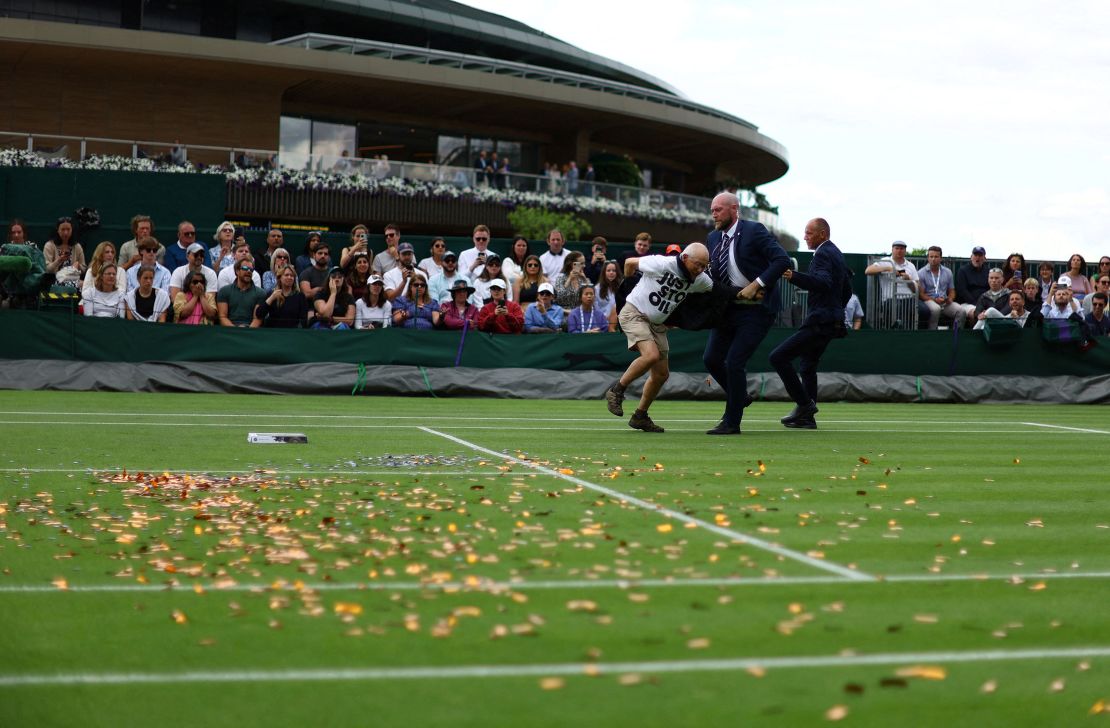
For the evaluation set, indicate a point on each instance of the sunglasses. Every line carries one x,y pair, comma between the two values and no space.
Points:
419,285
480,240
439,245
532,265
391,235
246,267
189,234
279,257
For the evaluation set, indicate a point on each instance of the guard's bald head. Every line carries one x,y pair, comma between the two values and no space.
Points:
727,199
696,251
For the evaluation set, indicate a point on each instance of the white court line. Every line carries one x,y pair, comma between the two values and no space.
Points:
492,586
571,669
618,427
1071,429
656,508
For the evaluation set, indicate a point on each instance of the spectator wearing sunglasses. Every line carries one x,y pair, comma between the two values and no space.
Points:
195,305
278,260
195,255
148,255
433,264
237,302
526,288
1098,320
229,273
176,255
389,258
1102,285
472,260
416,309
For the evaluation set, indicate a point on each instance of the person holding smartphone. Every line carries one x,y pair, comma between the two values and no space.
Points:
599,249
359,237
571,280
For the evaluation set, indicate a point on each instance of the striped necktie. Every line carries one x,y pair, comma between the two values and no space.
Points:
720,259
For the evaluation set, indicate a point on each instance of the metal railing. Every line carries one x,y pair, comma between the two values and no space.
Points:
464,61
891,303
77,149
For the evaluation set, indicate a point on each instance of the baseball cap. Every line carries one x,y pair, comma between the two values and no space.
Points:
978,250
195,247
374,279
498,283
546,288
673,249
1064,282
335,270
404,248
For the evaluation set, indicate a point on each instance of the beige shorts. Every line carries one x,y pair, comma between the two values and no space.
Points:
637,328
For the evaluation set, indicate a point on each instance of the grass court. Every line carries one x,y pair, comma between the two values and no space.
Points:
538,563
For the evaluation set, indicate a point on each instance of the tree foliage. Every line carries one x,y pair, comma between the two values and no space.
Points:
535,222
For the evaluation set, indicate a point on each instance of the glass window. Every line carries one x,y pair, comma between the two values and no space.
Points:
330,144
296,142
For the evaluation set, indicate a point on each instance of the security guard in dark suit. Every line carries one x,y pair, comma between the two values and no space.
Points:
743,256
829,284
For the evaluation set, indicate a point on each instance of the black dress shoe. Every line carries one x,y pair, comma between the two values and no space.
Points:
747,400
800,412
802,423
723,429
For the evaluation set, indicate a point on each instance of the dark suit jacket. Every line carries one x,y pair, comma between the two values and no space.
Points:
758,255
829,284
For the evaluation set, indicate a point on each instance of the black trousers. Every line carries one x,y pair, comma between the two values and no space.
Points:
807,344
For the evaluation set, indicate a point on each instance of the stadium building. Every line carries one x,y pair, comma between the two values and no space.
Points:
422,81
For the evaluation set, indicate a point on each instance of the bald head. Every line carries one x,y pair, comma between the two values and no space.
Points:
817,232
725,209
695,257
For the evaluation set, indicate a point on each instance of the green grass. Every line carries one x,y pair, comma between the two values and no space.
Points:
384,546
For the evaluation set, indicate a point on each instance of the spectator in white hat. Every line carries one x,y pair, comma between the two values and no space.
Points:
543,316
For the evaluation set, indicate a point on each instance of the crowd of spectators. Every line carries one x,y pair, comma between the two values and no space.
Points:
526,291
977,293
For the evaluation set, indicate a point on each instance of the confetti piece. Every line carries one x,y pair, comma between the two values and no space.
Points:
582,605
664,528
756,671
1057,686
1100,706
925,672
552,683
352,608
698,643
989,687
629,679
926,618
178,616
60,583
837,712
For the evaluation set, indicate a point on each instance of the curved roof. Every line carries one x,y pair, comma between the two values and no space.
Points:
448,25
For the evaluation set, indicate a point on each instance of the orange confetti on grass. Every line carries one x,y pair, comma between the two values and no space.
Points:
664,528
178,616
352,608
1100,706
60,583
837,712
552,683
566,471
629,679
582,605
925,672
864,461
989,687
698,643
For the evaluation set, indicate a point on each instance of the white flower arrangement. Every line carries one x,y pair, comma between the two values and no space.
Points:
302,181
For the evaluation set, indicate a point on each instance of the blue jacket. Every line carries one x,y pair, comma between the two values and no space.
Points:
829,284
533,319
758,255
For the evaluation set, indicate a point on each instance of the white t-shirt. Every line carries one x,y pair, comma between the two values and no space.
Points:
663,286
227,277
379,317
177,278
467,258
553,264
161,304
902,288
430,266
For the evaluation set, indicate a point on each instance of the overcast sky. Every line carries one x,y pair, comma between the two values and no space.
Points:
950,122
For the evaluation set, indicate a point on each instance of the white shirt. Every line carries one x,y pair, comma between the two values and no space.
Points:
481,292
393,278
467,258
161,276
227,277
102,305
177,278
663,286
553,264
430,266
736,278
161,304
381,317
902,288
